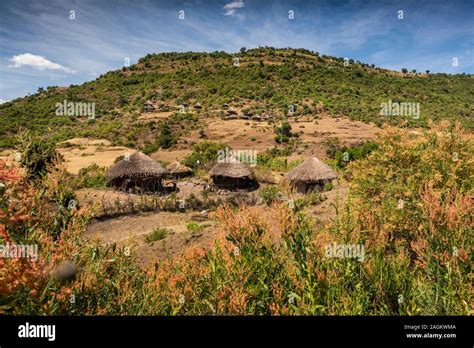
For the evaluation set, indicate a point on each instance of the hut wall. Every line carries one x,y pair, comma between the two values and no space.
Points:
138,184
176,176
307,187
233,183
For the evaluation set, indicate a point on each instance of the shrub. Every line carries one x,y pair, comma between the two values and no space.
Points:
35,155
269,194
157,234
203,154
165,139
343,155
328,186
283,133
92,176
194,227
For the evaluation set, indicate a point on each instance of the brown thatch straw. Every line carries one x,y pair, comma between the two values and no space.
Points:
230,170
138,165
311,170
178,168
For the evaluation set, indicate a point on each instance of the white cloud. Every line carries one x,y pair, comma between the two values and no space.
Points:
2,101
37,62
231,8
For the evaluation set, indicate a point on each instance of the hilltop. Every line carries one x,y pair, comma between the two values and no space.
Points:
264,80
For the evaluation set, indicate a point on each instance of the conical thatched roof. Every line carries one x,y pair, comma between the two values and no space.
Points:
311,170
231,170
137,165
178,168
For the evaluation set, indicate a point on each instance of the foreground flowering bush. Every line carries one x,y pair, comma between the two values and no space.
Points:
409,211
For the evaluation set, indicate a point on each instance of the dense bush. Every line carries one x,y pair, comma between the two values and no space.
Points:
343,155
283,133
204,154
35,155
92,176
165,139
269,194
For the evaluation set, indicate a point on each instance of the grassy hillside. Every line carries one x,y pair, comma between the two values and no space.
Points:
265,79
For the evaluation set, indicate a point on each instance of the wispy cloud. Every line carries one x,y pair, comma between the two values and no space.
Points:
36,62
231,9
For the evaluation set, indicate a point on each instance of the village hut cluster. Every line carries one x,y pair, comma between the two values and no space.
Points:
140,173
229,113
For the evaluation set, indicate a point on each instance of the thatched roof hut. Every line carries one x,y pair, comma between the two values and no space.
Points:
177,170
137,172
234,175
198,106
310,175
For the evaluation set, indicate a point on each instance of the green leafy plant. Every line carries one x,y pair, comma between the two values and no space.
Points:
157,234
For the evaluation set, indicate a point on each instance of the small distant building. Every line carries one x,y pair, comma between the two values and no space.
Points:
225,106
311,175
177,170
256,118
231,176
148,106
231,112
137,173
198,106
182,107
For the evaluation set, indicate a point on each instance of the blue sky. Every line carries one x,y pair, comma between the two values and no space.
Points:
40,45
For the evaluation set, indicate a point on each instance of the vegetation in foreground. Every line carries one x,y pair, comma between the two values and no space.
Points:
410,205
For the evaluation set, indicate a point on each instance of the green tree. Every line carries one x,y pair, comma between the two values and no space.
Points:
283,133
166,139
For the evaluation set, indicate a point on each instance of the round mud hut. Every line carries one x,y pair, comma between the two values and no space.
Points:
136,173
311,175
177,170
233,176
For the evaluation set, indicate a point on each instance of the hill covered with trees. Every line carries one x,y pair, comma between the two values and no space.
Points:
255,81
